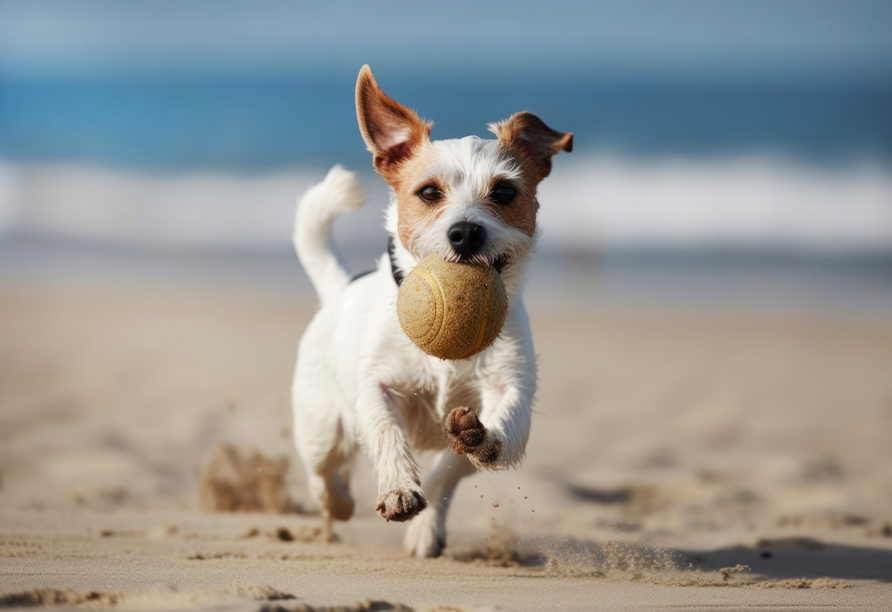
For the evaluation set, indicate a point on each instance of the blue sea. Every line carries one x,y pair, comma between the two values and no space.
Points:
261,124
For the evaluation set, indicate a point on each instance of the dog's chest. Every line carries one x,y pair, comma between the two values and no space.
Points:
426,401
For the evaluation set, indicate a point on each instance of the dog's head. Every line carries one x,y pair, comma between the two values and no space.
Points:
469,199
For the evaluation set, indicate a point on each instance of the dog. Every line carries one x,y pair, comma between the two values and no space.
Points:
359,380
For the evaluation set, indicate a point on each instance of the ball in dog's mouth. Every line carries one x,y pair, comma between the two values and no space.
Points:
452,310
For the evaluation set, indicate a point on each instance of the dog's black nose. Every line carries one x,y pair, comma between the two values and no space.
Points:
466,238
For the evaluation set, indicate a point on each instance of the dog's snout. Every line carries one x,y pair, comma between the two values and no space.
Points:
466,238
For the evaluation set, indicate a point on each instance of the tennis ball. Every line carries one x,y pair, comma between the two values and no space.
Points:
452,310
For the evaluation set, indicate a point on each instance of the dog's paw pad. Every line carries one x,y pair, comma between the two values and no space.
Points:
486,453
465,429
473,437
400,505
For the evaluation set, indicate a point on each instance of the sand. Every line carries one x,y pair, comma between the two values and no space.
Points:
682,460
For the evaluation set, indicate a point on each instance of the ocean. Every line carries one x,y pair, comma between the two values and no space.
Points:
255,124
213,162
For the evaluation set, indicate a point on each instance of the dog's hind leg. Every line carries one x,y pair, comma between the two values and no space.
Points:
331,491
325,449
426,536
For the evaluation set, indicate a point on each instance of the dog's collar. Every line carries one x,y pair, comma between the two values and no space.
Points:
394,269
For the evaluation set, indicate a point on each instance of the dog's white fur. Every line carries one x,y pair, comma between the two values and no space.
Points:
360,381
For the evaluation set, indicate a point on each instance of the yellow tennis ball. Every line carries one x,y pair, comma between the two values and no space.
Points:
452,310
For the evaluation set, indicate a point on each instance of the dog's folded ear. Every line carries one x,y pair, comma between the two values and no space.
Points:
525,132
390,130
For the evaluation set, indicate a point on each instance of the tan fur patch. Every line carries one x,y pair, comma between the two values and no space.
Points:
391,131
415,214
532,142
400,143
521,212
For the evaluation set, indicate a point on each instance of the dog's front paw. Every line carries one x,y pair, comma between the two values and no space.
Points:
465,430
401,504
468,436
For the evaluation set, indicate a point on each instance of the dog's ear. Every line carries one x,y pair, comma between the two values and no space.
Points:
525,132
391,131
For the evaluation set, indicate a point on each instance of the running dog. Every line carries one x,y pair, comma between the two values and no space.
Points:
359,381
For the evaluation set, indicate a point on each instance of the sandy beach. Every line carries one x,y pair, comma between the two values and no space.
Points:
709,284
678,459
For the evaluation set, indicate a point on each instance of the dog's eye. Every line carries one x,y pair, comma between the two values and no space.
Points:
503,194
430,193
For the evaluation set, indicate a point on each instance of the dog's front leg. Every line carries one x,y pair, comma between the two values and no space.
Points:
496,438
379,421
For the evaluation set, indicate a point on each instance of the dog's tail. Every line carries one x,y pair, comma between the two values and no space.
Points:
340,192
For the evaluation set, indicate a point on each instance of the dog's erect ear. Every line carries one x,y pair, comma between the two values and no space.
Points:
538,142
390,130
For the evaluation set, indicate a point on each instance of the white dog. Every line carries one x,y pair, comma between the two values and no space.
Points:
359,380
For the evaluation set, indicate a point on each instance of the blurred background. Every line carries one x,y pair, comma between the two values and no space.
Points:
712,296
744,139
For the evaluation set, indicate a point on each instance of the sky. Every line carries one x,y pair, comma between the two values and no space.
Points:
696,39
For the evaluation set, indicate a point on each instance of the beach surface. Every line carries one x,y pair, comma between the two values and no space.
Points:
679,458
